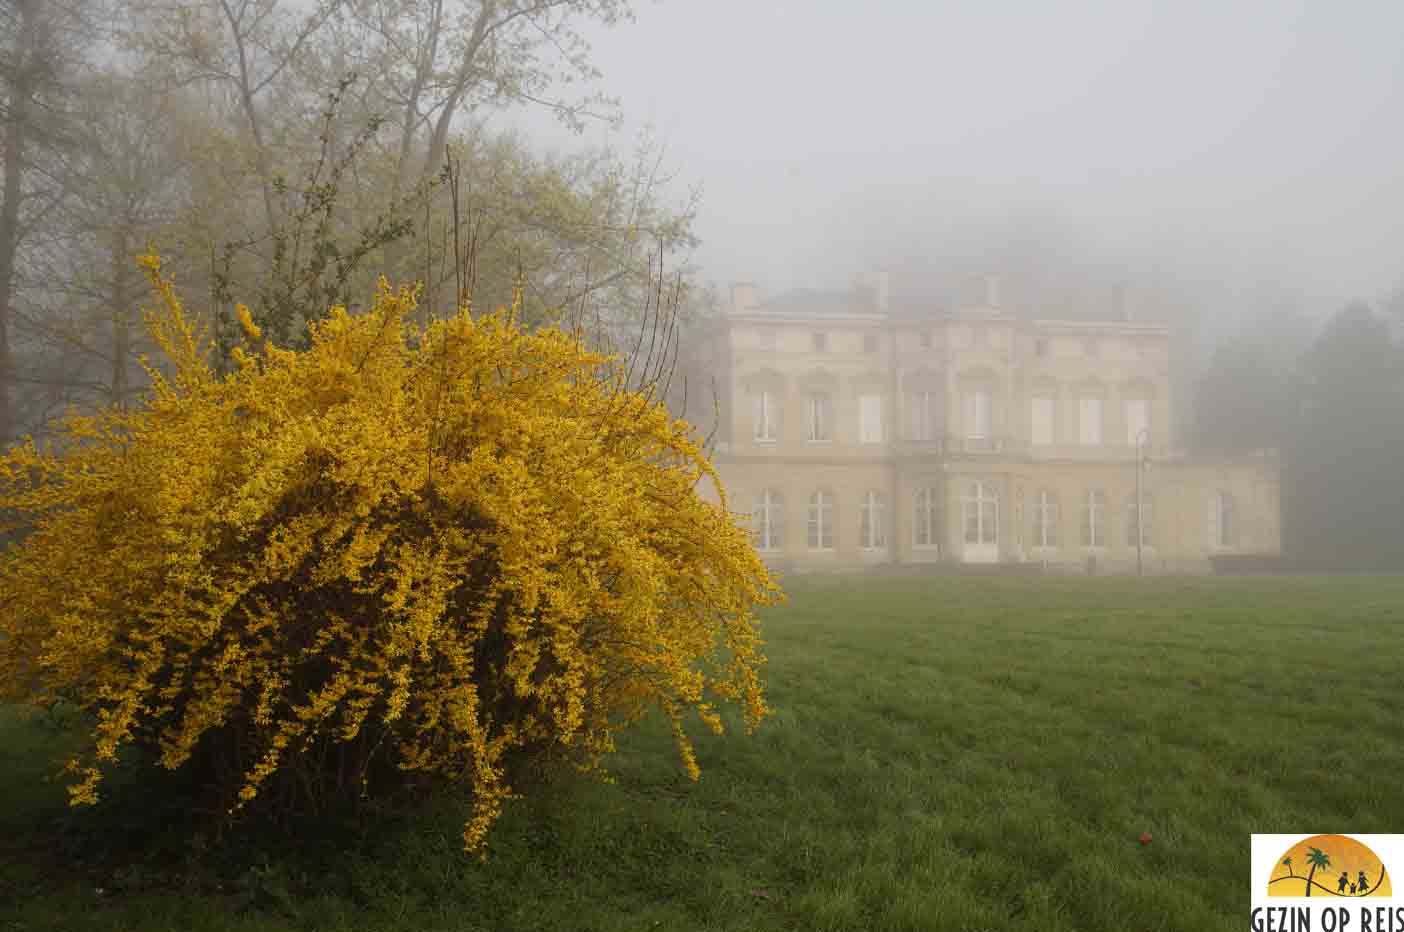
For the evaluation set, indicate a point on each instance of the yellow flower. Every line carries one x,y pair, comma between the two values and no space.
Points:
432,548
246,321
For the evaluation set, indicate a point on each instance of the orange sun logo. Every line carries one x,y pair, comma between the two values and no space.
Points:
1329,865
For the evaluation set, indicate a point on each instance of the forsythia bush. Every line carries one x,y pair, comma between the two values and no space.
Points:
403,554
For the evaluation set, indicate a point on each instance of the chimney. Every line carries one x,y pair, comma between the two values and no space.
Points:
992,292
745,296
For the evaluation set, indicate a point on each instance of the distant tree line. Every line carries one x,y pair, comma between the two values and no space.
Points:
1334,408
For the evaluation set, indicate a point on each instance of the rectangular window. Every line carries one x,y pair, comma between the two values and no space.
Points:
1093,514
871,535
1137,420
924,339
870,418
924,414
1090,421
767,338
764,417
1042,417
926,520
821,341
1046,520
819,417
977,415
821,522
870,343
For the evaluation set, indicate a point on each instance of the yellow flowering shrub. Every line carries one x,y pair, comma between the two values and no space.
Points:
403,554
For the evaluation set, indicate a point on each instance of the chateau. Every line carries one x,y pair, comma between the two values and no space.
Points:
860,430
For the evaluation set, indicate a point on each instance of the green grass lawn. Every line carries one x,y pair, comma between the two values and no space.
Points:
946,753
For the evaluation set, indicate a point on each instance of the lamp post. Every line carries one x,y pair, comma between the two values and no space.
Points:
1141,439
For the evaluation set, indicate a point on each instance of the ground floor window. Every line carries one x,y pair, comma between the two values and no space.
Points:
926,518
980,511
821,521
1093,518
872,535
768,521
1046,519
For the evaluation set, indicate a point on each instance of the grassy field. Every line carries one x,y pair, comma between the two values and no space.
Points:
947,753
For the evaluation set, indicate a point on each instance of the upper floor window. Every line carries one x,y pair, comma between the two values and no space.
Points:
821,521
870,418
819,416
1046,519
871,534
1041,421
821,341
1137,421
1041,347
1221,520
1090,347
767,338
765,416
977,415
1140,521
1089,424
926,518
1094,512
768,521
924,339
924,414
870,342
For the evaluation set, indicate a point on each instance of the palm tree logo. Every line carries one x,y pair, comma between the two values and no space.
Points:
1317,858
1331,853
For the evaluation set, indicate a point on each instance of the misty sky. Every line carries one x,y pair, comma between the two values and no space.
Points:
1257,146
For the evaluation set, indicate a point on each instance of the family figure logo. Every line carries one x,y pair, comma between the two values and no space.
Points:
1309,868
1325,883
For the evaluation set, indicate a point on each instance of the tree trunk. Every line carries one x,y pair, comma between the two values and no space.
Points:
1310,874
15,131
121,330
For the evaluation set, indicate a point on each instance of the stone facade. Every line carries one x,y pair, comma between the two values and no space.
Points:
861,432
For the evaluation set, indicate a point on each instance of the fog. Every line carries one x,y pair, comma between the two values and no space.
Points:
1228,174
1248,153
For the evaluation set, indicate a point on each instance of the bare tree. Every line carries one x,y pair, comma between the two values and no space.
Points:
42,49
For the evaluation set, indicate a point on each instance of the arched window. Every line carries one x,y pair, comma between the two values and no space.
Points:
926,518
768,521
872,534
821,521
1221,520
980,506
1045,531
1145,521
1094,510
